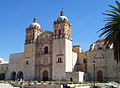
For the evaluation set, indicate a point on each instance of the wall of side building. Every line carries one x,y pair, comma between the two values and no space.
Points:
82,62
3,68
3,65
80,59
15,65
106,68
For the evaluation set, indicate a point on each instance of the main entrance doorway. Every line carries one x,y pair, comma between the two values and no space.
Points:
45,75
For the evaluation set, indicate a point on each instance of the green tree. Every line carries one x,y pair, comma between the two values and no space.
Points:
111,30
2,76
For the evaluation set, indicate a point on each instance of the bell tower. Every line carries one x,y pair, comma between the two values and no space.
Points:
62,48
32,33
62,27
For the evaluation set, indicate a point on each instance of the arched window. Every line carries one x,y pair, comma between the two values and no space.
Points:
46,50
55,32
27,62
59,60
59,32
84,61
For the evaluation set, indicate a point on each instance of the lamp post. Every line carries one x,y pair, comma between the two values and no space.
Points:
94,72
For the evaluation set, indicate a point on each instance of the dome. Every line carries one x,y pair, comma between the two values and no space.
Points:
35,23
62,17
100,41
98,45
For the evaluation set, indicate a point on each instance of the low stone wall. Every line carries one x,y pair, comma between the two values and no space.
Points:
75,76
43,86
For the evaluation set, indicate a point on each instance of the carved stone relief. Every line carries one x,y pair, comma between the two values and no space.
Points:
99,63
45,60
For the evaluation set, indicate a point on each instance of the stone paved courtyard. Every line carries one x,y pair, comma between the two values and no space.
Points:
6,85
38,85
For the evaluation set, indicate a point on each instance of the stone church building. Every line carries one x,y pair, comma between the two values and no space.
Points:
50,56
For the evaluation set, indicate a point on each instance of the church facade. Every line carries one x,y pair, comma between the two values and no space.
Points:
47,55
50,56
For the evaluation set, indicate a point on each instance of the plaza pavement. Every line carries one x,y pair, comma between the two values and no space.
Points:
6,85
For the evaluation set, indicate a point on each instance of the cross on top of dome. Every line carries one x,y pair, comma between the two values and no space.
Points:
62,13
35,24
62,17
35,20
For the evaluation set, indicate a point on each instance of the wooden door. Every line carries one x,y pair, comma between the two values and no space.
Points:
100,76
45,75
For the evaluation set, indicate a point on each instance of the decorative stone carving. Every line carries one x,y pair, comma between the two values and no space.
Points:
99,63
45,60
99,56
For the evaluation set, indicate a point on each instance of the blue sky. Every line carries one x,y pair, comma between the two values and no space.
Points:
15,15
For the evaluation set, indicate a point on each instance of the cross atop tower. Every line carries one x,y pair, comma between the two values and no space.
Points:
35,20
62,13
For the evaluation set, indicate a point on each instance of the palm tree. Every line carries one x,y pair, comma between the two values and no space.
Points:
111,30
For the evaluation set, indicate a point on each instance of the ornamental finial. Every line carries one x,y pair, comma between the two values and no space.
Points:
62,12
35,20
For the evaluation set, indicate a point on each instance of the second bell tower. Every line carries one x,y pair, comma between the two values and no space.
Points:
62,48
62,27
